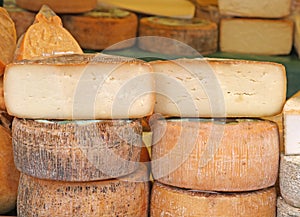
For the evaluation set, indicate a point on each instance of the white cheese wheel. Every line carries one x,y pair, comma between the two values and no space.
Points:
200,154
171,201
128,197
77,150
286,210
289,179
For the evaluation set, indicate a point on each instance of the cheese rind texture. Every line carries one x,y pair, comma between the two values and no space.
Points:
255,8
256,36
77,150
289,179
296,19
2,102
128,196
219,88
79,87
241,155
170,201
286,210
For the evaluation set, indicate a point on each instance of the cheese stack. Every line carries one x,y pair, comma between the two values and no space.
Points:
212,155
289,176
256,27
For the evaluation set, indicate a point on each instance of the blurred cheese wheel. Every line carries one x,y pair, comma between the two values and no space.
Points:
286,210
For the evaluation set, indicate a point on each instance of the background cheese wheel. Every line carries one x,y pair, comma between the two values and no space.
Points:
128,196
286,210
241,155
9,175
201,35
74,6
77,150
113,27
170,201
289,179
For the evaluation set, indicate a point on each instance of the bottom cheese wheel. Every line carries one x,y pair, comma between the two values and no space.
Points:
286,210
289,179
77,150
128,196
172,201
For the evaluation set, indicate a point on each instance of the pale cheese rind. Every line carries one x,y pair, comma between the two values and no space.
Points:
286,210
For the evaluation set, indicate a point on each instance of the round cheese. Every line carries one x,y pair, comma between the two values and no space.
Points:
171,201
215,155
286,210
289,179
77,150
9,175
178,36
115,28
128,196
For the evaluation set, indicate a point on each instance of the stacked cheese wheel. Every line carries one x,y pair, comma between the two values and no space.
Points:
289,176
213,155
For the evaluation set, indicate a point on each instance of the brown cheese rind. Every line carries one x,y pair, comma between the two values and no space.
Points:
77,151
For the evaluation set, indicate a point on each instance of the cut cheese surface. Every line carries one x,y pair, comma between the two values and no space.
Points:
256,36
87,86
46,37
178,36
286,210
170,201
219,87
116,27
128,197
255,8
202,154
289,178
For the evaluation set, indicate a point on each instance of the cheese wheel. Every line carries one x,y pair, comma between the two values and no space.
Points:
8,40
77,150
115,28
209,12
2,103
74,6
200,154
9,175
86,86
55,38
208,88
128,196
178,36
289,179
296,19
256,36
286,210
171,201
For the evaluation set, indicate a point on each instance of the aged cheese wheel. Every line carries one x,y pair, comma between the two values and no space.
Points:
202,154
128,196
114,28
55,38
77,150
171,201
208,88
74,6
8,40
286,210
256,36
83,86
289,179
194,35
9,175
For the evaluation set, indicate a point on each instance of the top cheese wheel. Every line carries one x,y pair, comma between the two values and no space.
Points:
87,86
59,6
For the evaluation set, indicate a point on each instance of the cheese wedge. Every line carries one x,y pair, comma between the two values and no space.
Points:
219,88
289,178
170,201
256,36
86,86
128,196
8,40
255,8
286,210
55,38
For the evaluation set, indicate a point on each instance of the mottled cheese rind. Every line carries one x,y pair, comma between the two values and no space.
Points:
77,150
286,210
201,154
171,201
289,179
128,196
